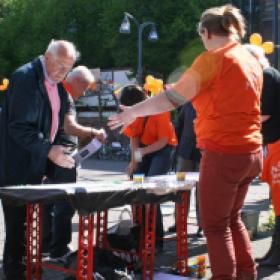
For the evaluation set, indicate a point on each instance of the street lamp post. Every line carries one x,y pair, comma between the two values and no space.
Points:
276,35
153,36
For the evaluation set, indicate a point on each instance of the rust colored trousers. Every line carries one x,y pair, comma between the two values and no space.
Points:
223,185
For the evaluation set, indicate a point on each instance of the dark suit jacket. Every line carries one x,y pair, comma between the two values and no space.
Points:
25,126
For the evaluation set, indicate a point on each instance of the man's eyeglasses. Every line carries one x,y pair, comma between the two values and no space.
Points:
62,67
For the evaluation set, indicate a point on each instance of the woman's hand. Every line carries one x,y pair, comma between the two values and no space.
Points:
122,119
132,166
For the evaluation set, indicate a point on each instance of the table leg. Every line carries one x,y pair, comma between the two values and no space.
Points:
137,211
85,251
182,237
148,252
102,230
34,241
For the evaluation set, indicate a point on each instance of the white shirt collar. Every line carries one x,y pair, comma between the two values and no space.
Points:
42,59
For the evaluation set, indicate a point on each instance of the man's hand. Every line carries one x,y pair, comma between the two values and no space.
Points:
57,154
101,135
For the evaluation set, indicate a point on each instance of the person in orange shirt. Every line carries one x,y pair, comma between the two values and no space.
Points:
271,175
270,102
224,85
152,142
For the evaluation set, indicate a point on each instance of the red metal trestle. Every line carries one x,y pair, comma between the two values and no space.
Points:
182,238
33,242
101,230
85,252
148,253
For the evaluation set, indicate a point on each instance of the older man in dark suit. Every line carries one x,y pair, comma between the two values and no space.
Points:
32,113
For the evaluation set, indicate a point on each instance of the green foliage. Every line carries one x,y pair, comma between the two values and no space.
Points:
269,226
271,221
185,58
27,26
190,52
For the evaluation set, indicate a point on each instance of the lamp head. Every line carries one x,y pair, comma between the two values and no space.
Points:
153,36
125,25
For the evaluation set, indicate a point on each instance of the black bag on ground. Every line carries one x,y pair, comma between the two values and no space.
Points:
126,242
107,266
124,235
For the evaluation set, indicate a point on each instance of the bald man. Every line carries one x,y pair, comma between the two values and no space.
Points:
57,217
77,82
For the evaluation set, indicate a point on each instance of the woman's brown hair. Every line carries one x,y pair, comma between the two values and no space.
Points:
223,21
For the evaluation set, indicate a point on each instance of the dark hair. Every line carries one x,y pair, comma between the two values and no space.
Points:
131,95
223,21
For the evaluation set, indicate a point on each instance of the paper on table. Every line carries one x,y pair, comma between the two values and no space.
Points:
164,276
93,146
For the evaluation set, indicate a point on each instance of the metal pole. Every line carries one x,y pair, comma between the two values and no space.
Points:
250,17
140,28
276,35
139,46
139,67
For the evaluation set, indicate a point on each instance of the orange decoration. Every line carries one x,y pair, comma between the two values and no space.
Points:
153,85
256,39
4,85
268,47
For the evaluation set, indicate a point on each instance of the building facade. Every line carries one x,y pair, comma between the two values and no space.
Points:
261,16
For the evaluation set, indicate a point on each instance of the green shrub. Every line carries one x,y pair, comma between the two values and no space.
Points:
269,226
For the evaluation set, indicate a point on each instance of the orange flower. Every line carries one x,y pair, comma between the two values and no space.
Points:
153,85
4,85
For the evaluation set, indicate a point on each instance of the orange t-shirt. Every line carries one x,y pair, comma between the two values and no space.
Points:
271,174
228,82
156,127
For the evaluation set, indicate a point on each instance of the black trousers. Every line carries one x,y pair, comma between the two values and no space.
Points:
14,248
57,217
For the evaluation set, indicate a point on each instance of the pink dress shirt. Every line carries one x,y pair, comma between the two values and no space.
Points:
55,105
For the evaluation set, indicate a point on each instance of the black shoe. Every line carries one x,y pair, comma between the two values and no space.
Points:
274,259
172,229
15,277
14,274
199,233
62,258
45,255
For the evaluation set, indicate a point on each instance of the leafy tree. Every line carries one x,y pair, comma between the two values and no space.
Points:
27,26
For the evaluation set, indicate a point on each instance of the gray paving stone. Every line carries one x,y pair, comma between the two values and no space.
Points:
257,199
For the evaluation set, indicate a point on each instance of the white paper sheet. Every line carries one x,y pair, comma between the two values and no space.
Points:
92,147
165,276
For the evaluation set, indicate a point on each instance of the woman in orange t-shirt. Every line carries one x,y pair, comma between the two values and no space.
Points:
224,84
152,142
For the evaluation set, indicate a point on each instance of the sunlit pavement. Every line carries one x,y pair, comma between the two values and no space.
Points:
257,200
